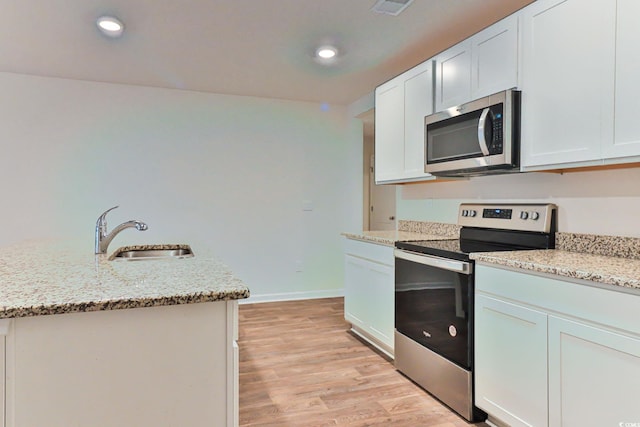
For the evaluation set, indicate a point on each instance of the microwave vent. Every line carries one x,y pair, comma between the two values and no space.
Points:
391,7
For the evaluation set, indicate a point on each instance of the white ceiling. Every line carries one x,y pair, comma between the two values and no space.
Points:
243,47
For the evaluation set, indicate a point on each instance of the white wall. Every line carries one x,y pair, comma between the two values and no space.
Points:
595,202
223,173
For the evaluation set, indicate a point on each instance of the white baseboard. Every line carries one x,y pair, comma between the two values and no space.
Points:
293,296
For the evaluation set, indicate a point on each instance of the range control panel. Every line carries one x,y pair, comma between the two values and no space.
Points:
524,217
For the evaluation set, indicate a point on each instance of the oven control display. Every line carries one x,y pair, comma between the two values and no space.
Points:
497,213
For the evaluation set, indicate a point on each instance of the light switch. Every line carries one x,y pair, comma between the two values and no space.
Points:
307,205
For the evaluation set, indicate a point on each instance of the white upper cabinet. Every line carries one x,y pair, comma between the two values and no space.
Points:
418,103
453,76
575,62
389,131
494,58
626,140
568,55
401,105
481,65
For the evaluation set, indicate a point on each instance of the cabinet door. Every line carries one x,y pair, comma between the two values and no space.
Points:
389,128
355,287
494,58
453,76
567,80
627,126
418,103
5,324
368,298
511,362
594,375
380,310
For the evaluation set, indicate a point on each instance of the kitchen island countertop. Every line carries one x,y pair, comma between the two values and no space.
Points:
56,277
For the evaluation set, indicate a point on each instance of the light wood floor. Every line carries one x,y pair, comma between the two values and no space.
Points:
299,366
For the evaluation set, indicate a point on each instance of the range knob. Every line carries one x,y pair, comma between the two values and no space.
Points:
524,215
534,215
465,212
472,213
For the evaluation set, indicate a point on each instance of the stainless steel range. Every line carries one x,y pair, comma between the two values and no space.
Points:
434,287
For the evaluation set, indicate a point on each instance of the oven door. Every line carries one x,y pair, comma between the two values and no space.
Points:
434,303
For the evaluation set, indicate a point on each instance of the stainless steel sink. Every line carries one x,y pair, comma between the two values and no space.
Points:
132,253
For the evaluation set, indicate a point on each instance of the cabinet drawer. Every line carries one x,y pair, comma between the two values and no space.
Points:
380,253
594,304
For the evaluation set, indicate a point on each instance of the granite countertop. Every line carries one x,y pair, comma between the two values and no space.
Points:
611,270
55,277
389,238
409,231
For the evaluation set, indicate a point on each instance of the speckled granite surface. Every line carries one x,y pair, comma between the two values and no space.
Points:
389,238
616,271
54,277
425,227
614,246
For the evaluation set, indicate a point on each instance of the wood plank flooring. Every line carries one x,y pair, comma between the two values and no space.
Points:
299,366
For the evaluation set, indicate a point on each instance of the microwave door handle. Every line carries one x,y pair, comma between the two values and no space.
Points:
482,124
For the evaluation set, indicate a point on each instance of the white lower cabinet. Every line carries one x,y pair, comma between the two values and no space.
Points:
511,362
594,375
555,353
369,292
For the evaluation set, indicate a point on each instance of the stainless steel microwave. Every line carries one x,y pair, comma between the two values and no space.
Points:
478,138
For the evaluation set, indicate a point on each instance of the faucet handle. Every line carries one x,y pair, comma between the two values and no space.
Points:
103,218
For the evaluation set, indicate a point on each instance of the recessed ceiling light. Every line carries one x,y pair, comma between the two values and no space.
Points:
110,26
326,52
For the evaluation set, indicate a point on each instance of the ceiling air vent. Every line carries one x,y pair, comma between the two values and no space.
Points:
391,7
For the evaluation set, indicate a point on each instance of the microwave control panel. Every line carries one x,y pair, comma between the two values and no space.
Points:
494,134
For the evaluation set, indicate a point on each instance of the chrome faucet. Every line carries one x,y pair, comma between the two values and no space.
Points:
103,239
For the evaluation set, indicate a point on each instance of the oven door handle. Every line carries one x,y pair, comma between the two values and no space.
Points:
446,264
